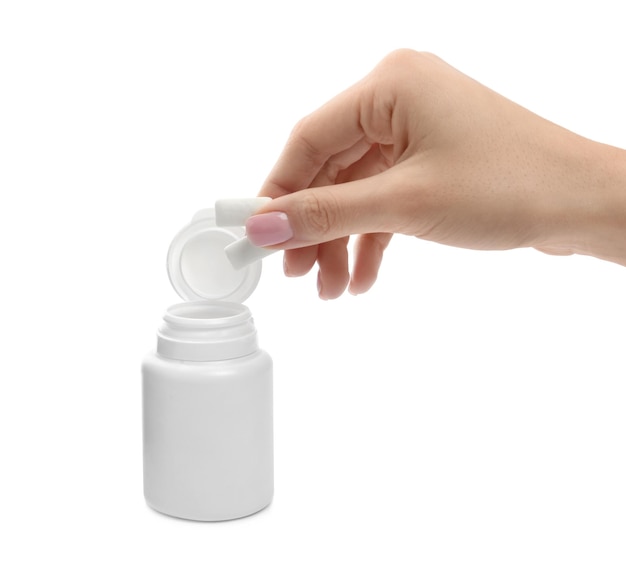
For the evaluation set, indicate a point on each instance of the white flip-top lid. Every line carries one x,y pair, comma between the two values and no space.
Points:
197,265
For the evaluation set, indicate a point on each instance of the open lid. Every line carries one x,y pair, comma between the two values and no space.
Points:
198,267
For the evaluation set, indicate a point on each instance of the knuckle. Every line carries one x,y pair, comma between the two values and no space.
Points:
298,129
405,61
402,57
300,139
319,216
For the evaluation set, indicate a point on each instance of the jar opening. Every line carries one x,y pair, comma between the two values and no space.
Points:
204,311
207,314
206,331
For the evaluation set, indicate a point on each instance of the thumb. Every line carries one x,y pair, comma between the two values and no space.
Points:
321,214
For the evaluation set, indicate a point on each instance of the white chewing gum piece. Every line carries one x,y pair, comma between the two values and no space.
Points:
242,252
235,212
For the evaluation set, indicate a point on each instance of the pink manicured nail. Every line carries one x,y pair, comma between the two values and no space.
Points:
268,229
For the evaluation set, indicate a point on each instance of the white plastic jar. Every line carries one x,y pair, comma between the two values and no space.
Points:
207,389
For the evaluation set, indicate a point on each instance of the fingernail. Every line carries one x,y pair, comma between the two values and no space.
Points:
286,266
268,229
320,287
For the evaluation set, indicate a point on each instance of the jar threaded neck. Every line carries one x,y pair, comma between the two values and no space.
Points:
207,331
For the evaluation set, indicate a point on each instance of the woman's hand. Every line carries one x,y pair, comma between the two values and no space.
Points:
418,148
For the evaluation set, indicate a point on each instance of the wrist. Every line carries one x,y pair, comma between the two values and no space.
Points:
590,217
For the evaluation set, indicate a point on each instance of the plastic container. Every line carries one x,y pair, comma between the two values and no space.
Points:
207,389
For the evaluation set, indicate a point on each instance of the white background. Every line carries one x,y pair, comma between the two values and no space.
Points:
466,414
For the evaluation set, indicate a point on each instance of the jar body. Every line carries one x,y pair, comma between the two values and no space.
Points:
207,436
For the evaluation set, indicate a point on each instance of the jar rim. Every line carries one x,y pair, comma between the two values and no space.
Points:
203,314
207,331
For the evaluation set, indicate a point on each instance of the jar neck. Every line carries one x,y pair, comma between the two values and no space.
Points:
206,331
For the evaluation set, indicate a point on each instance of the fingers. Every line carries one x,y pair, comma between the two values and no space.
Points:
333,180
368,255
334,136
345,168
337,164
333,275
321,214
332,258
314,225
299,261
331,130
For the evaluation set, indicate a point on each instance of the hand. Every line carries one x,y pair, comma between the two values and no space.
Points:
418,148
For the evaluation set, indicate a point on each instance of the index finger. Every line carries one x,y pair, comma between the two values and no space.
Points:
333,128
